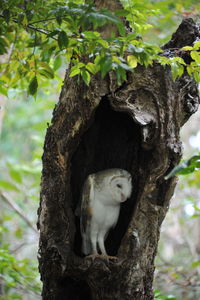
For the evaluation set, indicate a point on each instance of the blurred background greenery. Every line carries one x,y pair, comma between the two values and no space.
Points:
178,259
23,123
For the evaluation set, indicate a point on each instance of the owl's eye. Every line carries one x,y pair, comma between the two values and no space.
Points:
119,185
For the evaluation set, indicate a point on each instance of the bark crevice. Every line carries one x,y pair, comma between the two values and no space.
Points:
135,127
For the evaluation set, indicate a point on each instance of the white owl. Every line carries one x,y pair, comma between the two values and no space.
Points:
100,206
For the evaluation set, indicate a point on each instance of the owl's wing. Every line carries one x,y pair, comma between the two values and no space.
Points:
86,213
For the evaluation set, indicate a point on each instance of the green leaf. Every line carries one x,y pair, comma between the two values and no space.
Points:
177,70
74,71
103,43
195,264
92,68
3,91
197,76
63,40
25,21
57,62
46,73
122,13
20,18
121,75
125,67
40,125
59,20
91,34
19,233
33,86
190,70
105,65
187,48
86,76
135,49
196,56
196,45
195,216
179,60
53,33
6,15
8,185
48,70
3,46
132,61
15,175
186,167
80,65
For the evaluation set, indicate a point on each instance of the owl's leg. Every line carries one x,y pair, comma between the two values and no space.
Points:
101,237
101,243
94,242
86,244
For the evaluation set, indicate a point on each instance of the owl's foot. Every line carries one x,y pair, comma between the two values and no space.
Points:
112,257
93,256
102,256
109,258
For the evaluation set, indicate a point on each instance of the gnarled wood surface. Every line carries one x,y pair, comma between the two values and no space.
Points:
136,127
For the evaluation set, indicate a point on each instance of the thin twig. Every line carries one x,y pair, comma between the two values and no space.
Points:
21,246
17,209
11,50
40,30
41,21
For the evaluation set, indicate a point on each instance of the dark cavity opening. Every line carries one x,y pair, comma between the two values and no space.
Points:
73,290
112,141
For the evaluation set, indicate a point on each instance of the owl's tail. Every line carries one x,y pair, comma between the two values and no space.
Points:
86,244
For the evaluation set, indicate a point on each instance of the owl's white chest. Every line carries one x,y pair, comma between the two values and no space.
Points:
105,213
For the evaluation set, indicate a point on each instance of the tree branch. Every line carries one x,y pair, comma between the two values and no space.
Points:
41,21
40,30
16,208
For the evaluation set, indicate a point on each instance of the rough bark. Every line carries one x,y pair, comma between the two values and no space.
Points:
136,127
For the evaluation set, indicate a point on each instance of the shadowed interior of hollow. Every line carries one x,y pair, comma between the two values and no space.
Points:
112,141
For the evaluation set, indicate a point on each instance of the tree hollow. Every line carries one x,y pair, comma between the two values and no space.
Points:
111,141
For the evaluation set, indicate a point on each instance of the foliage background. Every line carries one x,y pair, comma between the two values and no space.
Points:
23,122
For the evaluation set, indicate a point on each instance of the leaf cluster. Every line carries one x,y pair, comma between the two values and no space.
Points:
36,41
159,296
17,275
37,38
178,64
21,147
186,167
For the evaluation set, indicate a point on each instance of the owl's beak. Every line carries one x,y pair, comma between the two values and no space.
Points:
123,197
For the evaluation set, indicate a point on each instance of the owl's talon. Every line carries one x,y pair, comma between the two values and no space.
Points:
112,257
102,256
109,258
93,256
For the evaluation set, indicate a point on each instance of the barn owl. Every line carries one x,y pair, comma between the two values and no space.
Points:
100,206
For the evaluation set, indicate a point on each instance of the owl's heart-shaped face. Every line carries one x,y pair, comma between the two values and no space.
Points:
121,188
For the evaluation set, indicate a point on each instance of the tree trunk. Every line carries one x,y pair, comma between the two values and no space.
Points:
135,127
